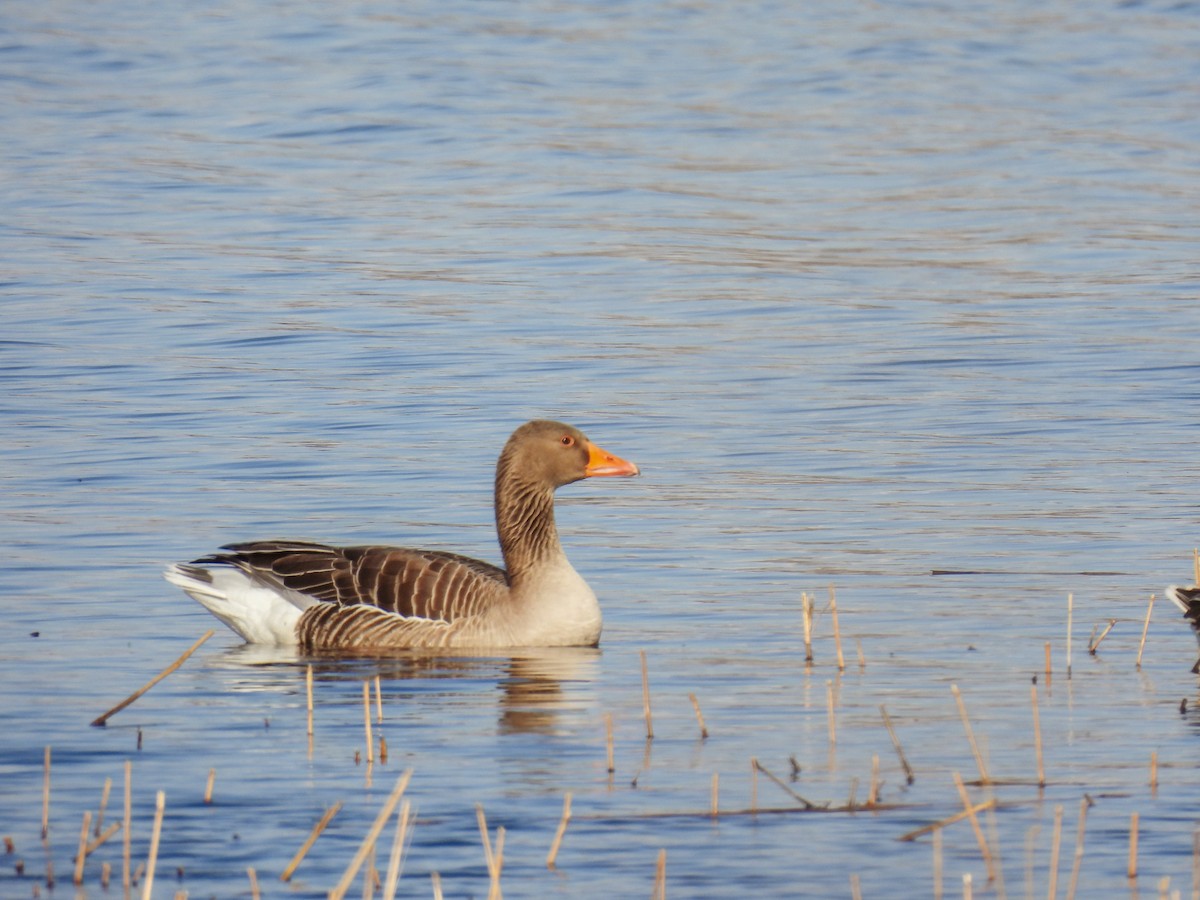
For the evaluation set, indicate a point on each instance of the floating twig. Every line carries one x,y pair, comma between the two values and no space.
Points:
368,843
103,720
1145,629
887,721
699,716
761,768
312,839
970,810
949,820
962,712
562,830
646,698
160,800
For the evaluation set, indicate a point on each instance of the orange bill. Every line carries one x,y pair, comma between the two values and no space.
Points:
601,463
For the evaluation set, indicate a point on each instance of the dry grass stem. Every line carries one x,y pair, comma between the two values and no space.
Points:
436,880
855,888
1077,864
308,693
160,801
101,839
1037,736
608,742
983,844
949,820
103,719
716,787
81,854
127,824
660,877
699,716
1055,846
46,794
837,632
962,712
378,701
1047,648
1145,630
368,843
253,876
98,826
395,861
887,721
562,830
1070,623
208,787
1094,644
806,604
1132,870
646,698
312,839
367,721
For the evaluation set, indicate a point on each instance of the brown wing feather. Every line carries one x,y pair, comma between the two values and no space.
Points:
425,584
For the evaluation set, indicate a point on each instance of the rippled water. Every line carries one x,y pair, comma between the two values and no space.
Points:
868,292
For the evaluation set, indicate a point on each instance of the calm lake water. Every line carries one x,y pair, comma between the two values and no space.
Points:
869,291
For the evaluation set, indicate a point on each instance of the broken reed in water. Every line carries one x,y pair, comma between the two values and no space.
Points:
368,842
837,632
962,712
969,808
1145,630
103,719
312,839
1037,736
887,721
660,877
562,830
806,603
160,800
699,716
1133,846
366,691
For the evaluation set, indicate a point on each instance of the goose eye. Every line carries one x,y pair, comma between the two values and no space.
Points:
567,441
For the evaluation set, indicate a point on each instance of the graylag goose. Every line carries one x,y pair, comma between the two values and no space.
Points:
1188,601
384,598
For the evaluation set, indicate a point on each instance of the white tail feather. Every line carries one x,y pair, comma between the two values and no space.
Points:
258,613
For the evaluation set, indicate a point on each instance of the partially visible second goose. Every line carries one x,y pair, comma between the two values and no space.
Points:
1188,601
379,598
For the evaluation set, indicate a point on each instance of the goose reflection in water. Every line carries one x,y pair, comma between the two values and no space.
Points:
537,687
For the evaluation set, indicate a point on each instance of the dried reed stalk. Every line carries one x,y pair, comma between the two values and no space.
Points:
837,633
253,876
1070,618
699,716
1047,648
887,721
105,874
312,839
1037,736
1132,870
103,719
806,604
368,843
716,782
81,854
396,859
367,721
968,889
962,712
1145,629
1196,864
983,844
160,800
494,858
608,742
436,881
1153,770
949,820
753,783
646,698
128,826
208,787
98,826
1094,644
46,794
1078,861
1055,846
378,702
862,660
562,830
660,877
